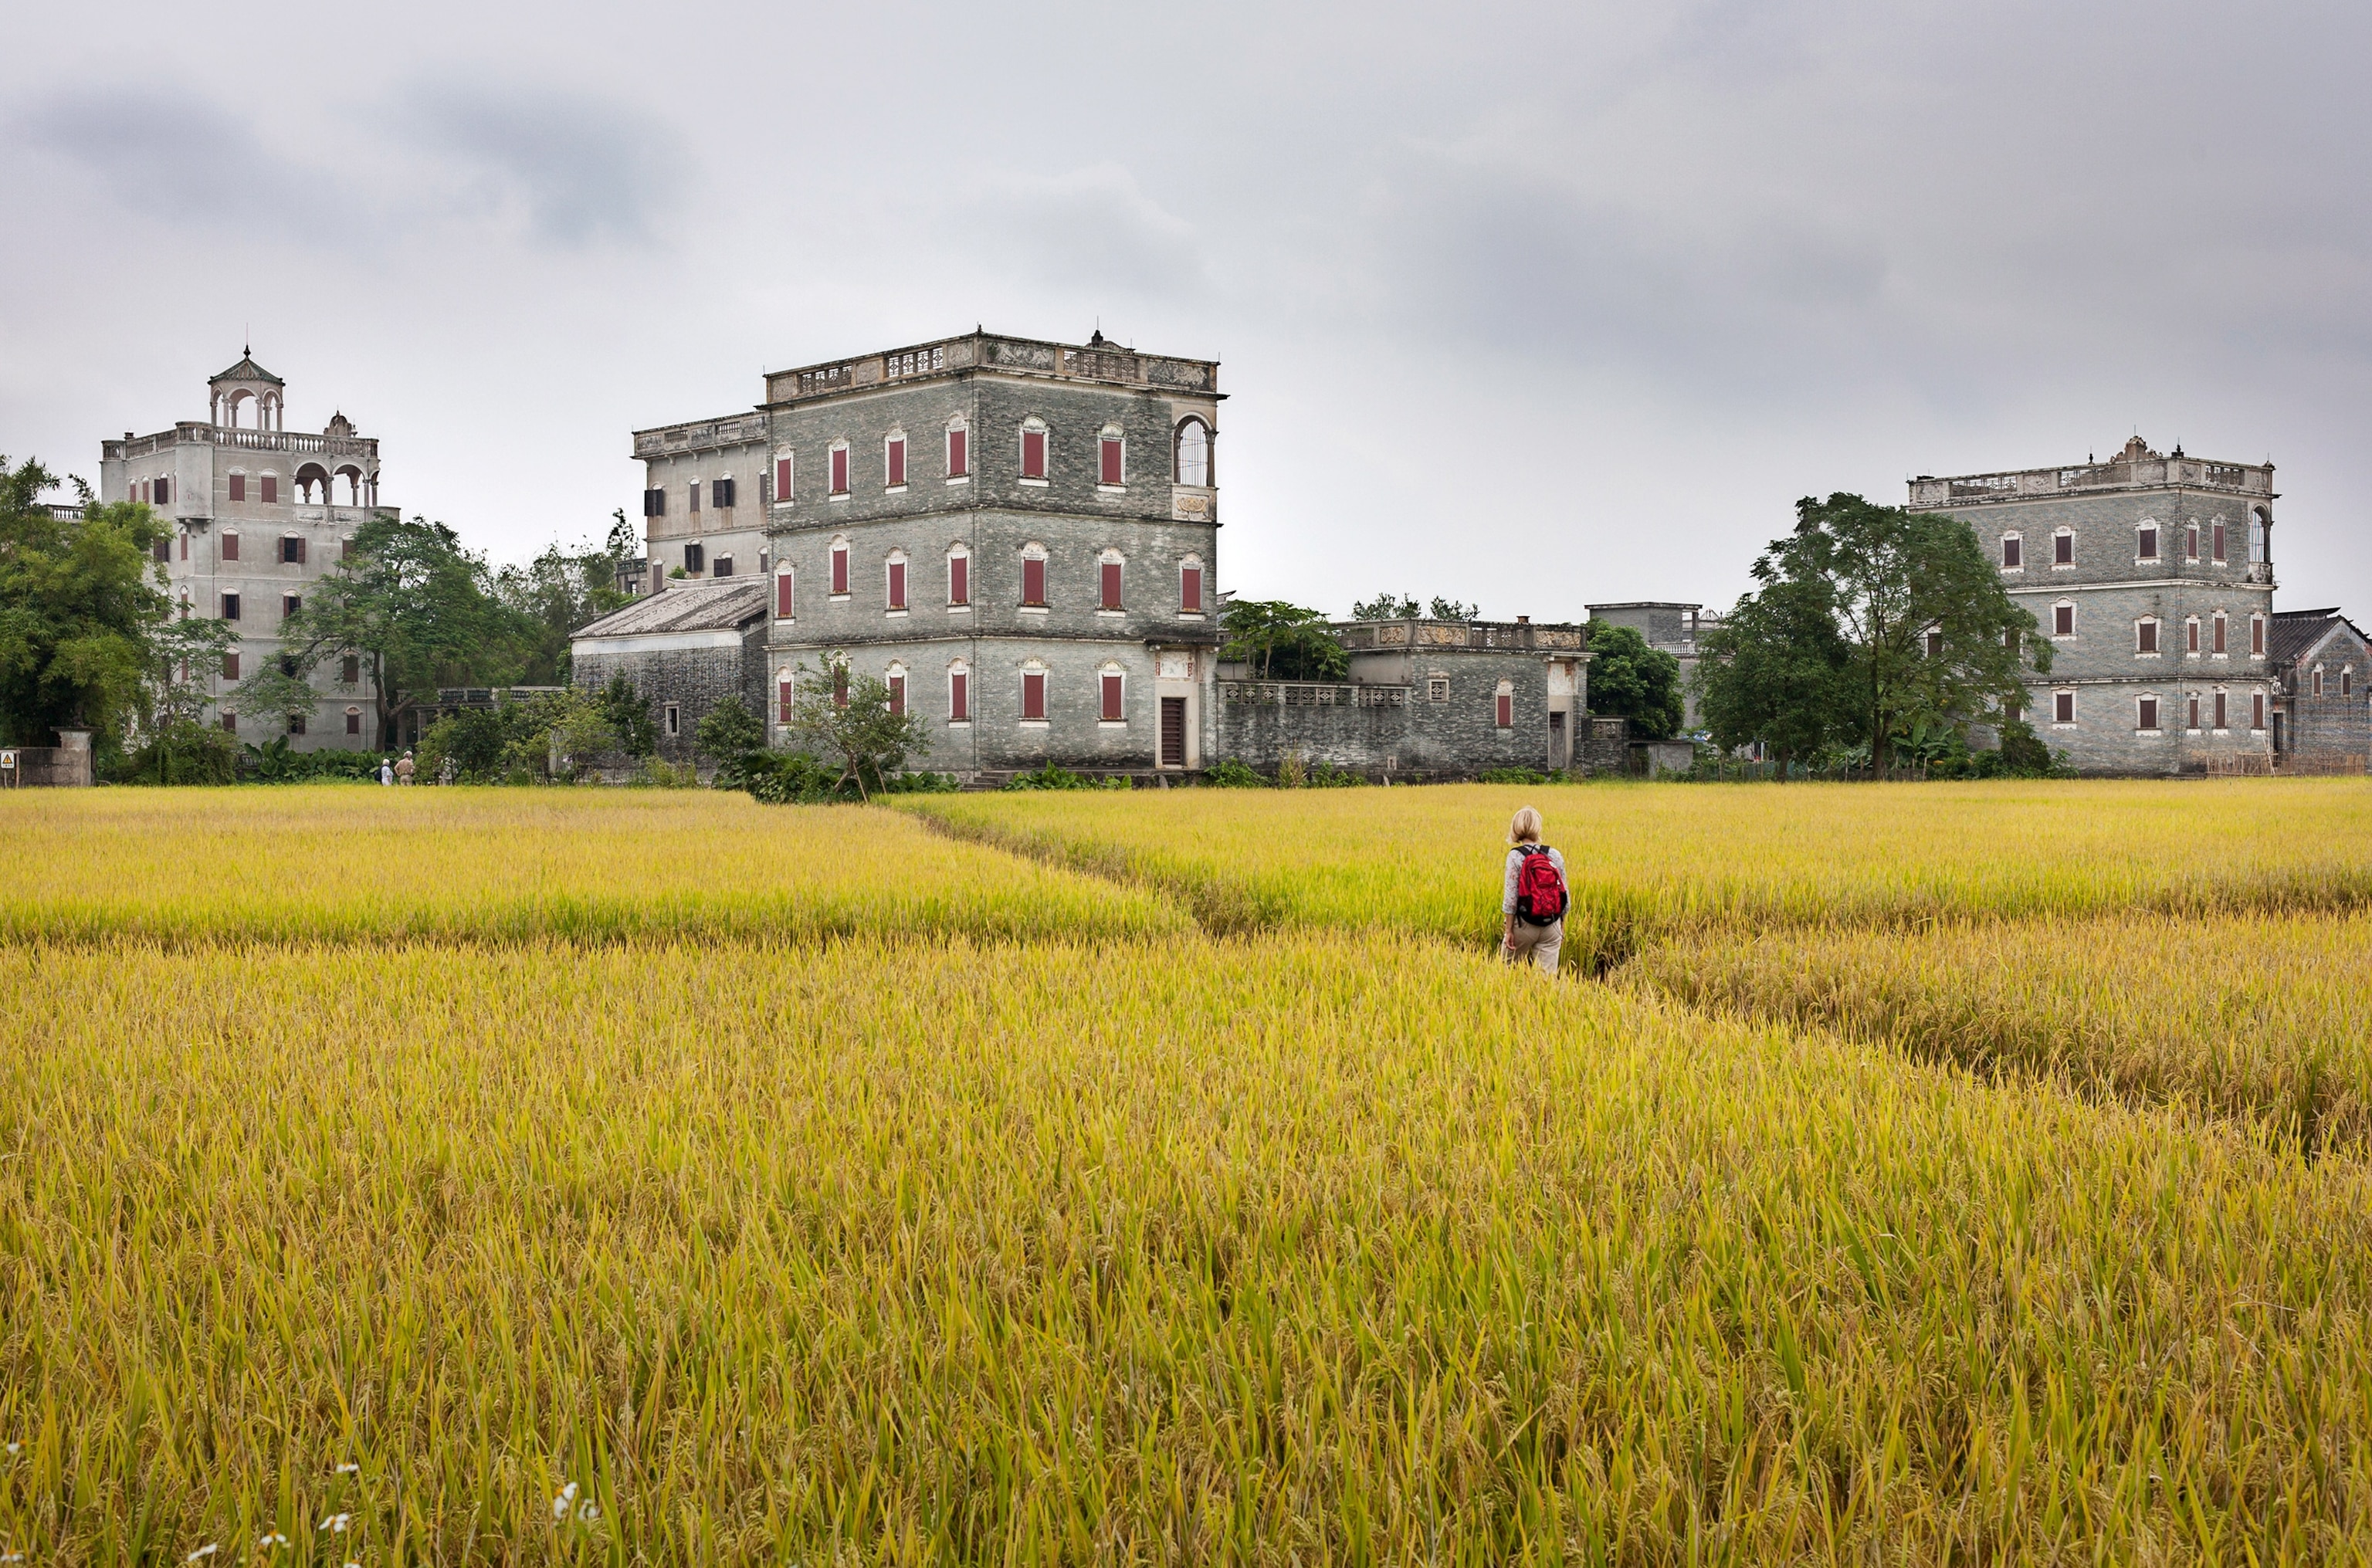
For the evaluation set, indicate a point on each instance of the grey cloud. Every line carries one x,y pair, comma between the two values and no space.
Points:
172,155
1093,229
577,170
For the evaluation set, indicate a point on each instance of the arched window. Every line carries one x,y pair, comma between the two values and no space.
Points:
1111,458
894,678
840,567
894,569
1107,581
958,576
1192,458
1190,585
840,468
1503,705
2258,544
1033,450
786,693
1033,692
959,449
893,459
1033,576
958,692
2146,714
786,593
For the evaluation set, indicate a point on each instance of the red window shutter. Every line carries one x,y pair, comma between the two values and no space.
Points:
1111,699
2256,635
271,487
185,549
1033,696
897,584
1507,711
2063,620
959,696
959,579
2191,638
1033,453
782,700
783,596
840,570
164,491
239,487
2219,712
1033,580
2063,549
958,459
2150,548
1109,472
897,693
230,665
1190,589
300,550
231,547
2149,712
2009,552
839,471
2063,707
897,463
2257,711
781,479
2219,635
354,724
2219,555
1112,585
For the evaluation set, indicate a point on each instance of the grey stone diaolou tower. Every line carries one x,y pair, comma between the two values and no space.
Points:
1019,537
2153,577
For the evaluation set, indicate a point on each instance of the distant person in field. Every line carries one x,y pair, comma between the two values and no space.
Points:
405,769
1533,901
386,772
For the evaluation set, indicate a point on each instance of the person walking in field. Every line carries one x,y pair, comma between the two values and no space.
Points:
386,772
405,769
1534,900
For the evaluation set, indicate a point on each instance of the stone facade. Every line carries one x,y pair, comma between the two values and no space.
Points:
1669,628
686,648
1425,698
706,483
255,519
2152,576
2320,660
1019,536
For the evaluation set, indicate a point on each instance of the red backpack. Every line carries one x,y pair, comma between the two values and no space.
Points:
1540,887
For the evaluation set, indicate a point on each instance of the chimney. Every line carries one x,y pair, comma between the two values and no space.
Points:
1523,620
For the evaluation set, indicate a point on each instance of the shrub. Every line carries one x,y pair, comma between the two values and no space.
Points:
1055,776
184,753
1326,775
1516,776
1233,774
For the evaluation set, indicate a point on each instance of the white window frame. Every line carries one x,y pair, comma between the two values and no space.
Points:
2220,619
2256,636
1177,446
839,445
1192,564
1021,452
783,497
2157,637
2012,537
1112,433
948,451
839,545
1506,688
2156,717
2062,532
958,666
2071,720
785,572
896,670
789,677
1035,667
2071,633
895,437
1111,556
2224,693
1035,550
2193,644
2191,541
2157,543
1104,672
961,551
897,558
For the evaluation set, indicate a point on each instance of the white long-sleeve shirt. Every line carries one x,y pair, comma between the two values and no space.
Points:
1514,865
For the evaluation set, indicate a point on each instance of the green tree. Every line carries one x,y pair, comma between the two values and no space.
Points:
729,733
1873,625
418,608
1284,641
629,714
846,718
1450,610
79,609
1635,682
557,592
1385,607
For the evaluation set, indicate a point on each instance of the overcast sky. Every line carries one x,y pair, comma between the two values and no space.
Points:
1532,306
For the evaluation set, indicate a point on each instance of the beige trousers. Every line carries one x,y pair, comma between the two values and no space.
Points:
1535,945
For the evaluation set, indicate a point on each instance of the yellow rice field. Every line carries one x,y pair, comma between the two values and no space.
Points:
565,1175
1649,859
2262,1017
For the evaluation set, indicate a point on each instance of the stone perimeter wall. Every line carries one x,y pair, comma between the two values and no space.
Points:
694,679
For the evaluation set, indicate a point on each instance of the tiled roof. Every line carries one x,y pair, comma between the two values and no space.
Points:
2296,631
247,370
691,606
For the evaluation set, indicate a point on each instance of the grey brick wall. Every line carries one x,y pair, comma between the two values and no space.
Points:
693,680
1455,737
2334,722
2112,591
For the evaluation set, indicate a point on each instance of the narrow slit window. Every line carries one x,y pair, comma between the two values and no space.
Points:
2147,544
1111,710
1108,460
959,454
897,584
1033,694
959,696
783,476
1190,589
2063,549
839,471
1109,586
1033,453
959,579
895,461
2011,546
839,570
1033,579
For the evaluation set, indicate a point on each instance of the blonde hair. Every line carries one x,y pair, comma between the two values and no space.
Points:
1526,828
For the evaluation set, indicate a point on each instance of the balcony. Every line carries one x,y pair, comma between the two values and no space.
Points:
1312,694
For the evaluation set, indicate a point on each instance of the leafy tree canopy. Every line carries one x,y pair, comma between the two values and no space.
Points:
1874,627
1386,607
80,607
846,718
1284,641
1629,678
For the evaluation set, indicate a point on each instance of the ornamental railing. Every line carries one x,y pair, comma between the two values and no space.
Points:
1312,694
